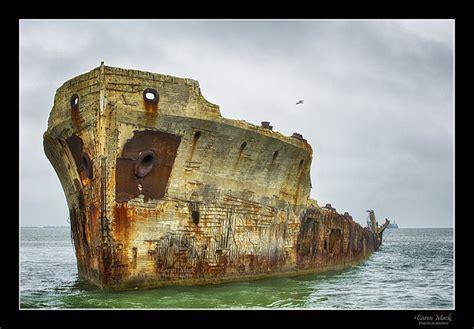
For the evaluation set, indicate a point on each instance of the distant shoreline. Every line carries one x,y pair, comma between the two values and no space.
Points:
400,228
46,226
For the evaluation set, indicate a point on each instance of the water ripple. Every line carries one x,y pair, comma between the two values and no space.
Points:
412,270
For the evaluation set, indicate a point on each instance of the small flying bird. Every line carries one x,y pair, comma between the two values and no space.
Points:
301,101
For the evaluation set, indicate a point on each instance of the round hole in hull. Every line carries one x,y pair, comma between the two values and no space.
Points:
150,95
74,101
145,163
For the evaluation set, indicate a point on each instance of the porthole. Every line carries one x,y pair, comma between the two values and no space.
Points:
145,163
74,102
150,95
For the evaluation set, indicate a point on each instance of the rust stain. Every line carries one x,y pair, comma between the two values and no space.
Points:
121,222
122,226
323,235
75,119
126,184
151,108
94,226
84,178
150,100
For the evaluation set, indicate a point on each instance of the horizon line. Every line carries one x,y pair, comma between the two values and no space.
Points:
49,226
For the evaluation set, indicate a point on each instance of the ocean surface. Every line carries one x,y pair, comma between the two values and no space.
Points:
412,270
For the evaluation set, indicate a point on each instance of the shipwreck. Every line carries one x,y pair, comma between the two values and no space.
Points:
162,190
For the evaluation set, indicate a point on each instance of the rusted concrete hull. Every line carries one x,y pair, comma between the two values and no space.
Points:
162,190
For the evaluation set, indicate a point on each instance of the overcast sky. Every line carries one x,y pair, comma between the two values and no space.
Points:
378,100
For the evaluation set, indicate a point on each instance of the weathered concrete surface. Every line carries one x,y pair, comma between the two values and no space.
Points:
162,190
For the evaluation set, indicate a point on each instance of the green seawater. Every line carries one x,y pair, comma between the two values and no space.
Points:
412,270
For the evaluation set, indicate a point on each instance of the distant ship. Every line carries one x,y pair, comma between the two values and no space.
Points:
392,225
162,190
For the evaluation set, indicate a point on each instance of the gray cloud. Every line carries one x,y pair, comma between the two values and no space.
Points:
378,99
